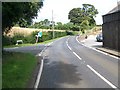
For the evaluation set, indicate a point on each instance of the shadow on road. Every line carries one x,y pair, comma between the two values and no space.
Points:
59,74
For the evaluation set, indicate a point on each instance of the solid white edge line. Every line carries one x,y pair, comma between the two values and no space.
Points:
77,39
108,82
39,75
40,70
113,56
98,50
76,55
49,43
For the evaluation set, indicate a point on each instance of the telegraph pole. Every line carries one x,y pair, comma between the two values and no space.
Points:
118,5
53,25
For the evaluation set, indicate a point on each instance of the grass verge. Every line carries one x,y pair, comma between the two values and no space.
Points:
17,69
49,41
28,44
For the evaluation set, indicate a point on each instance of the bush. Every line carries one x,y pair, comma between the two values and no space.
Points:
16,37
6,40
69,33
32,37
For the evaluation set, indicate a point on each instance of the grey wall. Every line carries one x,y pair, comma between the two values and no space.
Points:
111,30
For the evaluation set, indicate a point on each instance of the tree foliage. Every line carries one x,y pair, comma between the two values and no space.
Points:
20,13
83,17
45,24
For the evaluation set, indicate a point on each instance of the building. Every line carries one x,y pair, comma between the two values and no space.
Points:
111,29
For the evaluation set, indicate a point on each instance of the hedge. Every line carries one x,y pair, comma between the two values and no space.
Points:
6,40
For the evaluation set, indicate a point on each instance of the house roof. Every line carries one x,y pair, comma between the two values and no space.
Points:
115,9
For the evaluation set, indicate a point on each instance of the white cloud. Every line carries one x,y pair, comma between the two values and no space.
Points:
61,9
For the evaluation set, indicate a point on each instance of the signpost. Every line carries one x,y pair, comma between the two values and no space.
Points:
39,35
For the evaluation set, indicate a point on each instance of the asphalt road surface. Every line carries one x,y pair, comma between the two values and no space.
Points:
92,42
69,64
36,49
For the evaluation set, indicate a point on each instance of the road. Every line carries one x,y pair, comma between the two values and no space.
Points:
27,49
69,64
92,42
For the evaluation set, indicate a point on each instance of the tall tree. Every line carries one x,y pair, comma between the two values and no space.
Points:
80,16
20,13
46,22
75,15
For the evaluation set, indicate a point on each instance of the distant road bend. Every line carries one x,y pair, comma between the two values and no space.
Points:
69,64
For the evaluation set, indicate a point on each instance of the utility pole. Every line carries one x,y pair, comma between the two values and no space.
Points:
53,25
118,4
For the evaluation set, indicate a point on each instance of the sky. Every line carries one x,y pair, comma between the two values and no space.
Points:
61,9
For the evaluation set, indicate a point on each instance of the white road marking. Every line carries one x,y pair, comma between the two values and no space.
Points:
40,54
98,50
114,56
49,43
67,39
71,50
77,40
77,56
40,70
104,79
69,47
41,67
66,42
108,82
39,74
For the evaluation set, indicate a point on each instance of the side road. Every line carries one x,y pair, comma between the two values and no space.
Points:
91,42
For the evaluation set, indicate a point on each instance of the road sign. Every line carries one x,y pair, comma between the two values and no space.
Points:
40,34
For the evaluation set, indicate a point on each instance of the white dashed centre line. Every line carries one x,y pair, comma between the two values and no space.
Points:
77,56
69,48
99,75
108,82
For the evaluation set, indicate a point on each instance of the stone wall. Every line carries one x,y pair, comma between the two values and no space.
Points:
111,30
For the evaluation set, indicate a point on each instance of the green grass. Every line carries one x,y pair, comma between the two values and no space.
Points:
20,45
49,41
17,69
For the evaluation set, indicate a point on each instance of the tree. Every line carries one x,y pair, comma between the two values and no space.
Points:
46,22
89,10
75,15
83,16
84,25
58,26
20,13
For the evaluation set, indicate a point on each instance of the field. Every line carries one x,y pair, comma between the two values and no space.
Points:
27,31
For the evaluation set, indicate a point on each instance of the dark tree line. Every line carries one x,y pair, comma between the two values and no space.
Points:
20,13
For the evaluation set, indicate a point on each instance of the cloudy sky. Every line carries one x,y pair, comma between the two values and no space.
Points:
61,9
